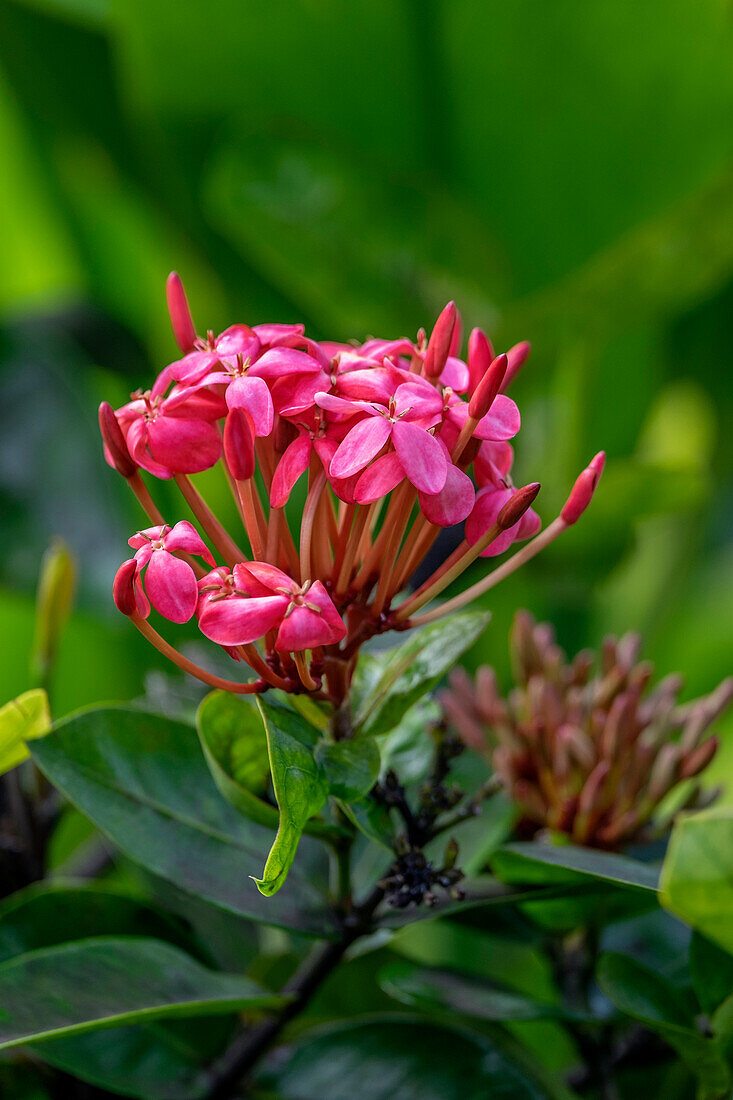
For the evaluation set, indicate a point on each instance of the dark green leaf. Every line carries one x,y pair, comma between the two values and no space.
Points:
301,789
442,991
401,1058
351,768
697,876
414,668
142,780
235,746
532,862
712,972
108,981
646,996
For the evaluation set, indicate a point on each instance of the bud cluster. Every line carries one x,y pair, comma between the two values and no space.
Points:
589,754
391,441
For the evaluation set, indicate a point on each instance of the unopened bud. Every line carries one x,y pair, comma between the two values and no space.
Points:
440,341
664,771
115,446
239,445
516,358
517,505
123,589
480,356
582,492
180,314
457,337
487,389
696,761
588,801
53,605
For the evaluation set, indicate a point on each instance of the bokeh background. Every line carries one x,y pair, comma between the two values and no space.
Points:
563,170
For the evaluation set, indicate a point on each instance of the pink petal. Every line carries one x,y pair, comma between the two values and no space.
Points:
184,536
364,441
252,395
184,446
489,503
191,368
171,586
493,462
346,406
384,474
529,524
268,576
501,422
281,361
453,503
455,374
239,620
293,463
297,393
238,340
376,384
421,455
270,335
195,404
138,444
304,628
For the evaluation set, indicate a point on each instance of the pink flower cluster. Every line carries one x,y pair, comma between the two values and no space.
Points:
392,440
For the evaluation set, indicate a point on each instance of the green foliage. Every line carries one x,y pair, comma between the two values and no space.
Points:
697,876
23,719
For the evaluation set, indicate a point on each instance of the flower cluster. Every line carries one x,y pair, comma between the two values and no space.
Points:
589,755
390,440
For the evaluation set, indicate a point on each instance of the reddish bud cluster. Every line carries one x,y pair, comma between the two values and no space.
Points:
391,441
589,755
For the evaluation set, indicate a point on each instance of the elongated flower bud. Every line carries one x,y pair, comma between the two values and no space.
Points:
700,758
517,505
488,388
516,358
440,341
582,492
54,598
180,314
115,447
480,356
239,444
123,589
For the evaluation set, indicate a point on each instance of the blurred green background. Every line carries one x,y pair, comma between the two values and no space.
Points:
562,169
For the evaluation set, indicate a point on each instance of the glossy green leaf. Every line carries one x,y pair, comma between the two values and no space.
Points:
533,862
351,768
442,991
235,746
711,969
414,668
143,781
697,875
646,996
23,719
301,789
107,981
401,1058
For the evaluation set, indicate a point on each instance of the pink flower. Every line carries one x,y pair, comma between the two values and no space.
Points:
173,435
489,502
170,582
241,607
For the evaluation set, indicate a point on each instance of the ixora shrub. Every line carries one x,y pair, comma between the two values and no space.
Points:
322,792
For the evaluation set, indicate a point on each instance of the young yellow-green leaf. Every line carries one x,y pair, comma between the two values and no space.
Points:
351,768
697,875
301,788
107,981
23,719
54,598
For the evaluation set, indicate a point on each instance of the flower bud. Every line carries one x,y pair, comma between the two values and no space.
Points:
53,604
123,589
480,356
582,492
457,337
517,505
239,444
694,763
487,388
440,342
180,314
115,446
516,358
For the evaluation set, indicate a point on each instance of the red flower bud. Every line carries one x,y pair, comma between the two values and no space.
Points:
115,446
699,758
480,356
582,492
180,314
517,357
488,388
123,589
239,444
440,341
517,505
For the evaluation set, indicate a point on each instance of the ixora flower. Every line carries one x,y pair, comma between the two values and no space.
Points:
345,462
589,755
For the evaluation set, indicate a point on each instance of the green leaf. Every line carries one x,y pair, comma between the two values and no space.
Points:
23,719
414,668
401,1057
646,996
442,991
351,768
697,875
235,746
301,789
537,863
711,969
107,981
142,779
